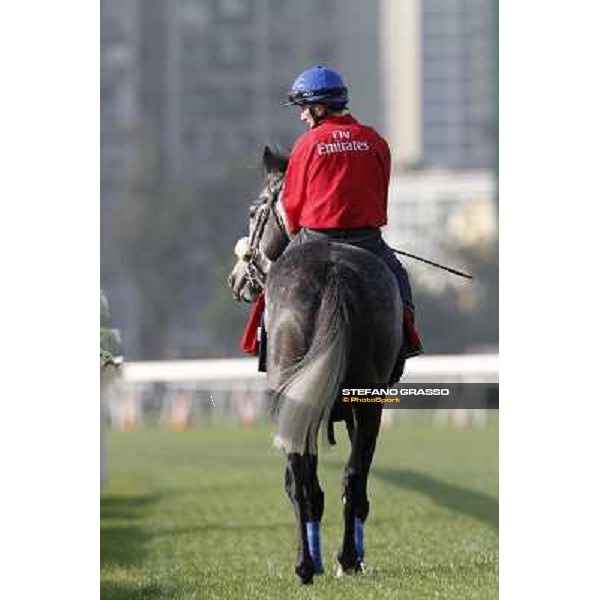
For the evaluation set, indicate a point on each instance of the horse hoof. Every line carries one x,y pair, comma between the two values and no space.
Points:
306,576
341,572
359,568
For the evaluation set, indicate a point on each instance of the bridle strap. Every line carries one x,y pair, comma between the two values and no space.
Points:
278,218
256,275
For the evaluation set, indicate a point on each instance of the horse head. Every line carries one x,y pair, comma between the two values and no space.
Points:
268,234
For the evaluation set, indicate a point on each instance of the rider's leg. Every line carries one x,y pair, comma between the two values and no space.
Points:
411,345
383,251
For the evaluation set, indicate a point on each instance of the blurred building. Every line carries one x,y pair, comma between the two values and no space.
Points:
221,69
401,70
439,60
437,213
119,95
120,70
203,83
208,78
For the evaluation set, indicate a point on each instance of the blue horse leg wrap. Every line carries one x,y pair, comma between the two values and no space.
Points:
314,545
358,538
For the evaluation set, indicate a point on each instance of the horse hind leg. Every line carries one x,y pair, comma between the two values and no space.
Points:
370,420
363,435
348,558
295,486
315,507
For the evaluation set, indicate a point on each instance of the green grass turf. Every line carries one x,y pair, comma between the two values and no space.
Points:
203,514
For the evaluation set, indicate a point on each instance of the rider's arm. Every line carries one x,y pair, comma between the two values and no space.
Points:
296,181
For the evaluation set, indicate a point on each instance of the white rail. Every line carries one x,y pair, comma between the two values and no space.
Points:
220,389
443,368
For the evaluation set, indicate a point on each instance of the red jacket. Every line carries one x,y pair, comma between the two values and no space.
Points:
337,177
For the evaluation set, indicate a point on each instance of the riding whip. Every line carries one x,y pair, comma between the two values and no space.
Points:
433,264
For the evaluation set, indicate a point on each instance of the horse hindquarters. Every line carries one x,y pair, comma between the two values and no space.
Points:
306,390
333,314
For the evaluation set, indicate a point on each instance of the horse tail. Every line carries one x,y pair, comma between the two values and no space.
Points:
305,398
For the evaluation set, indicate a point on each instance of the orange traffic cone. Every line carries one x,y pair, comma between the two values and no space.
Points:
180,413
129,418
248,411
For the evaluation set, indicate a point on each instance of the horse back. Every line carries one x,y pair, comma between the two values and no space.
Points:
303,284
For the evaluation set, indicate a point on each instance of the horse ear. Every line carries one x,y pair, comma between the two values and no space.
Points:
274,161
267,159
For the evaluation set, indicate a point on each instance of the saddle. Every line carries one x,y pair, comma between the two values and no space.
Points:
250,342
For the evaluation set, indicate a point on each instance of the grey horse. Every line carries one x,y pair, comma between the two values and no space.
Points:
333,319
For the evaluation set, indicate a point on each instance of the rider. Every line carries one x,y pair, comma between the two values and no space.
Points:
336,183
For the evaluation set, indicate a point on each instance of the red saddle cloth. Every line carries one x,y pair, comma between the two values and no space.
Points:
411,345
411,340
249,339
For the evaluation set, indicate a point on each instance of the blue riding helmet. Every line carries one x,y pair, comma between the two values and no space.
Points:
319,85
